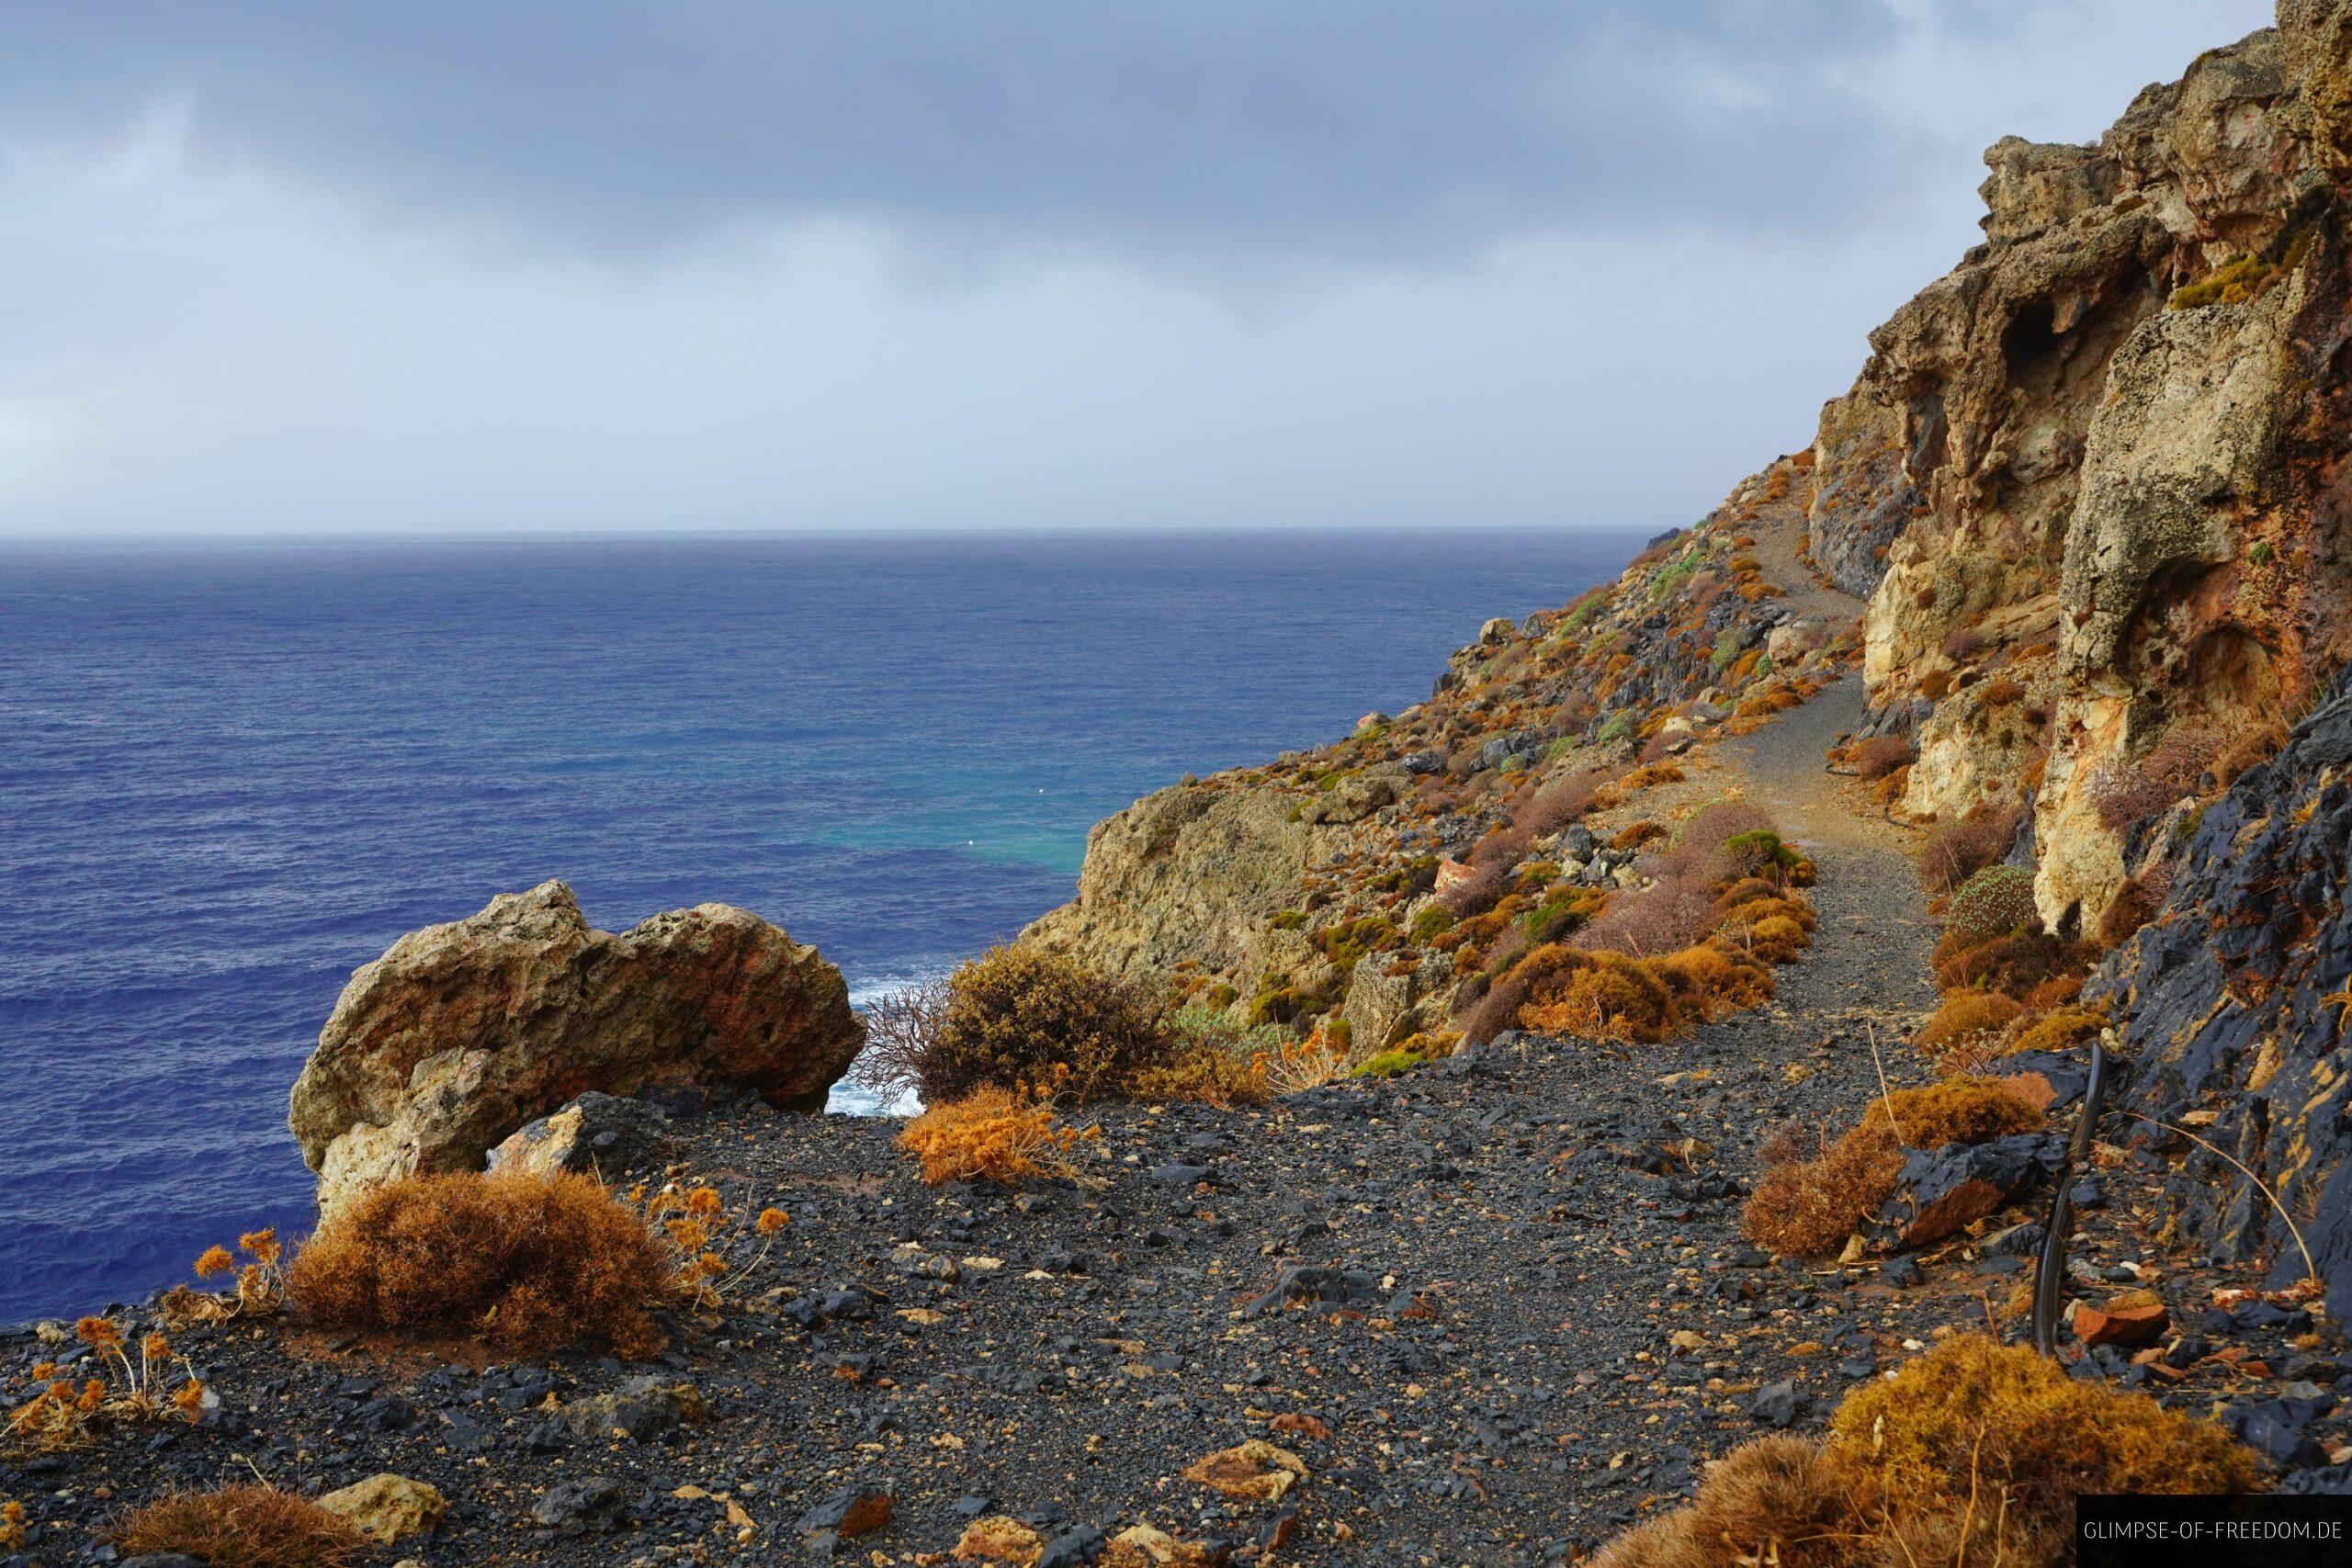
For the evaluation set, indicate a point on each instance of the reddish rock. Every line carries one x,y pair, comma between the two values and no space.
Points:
2135,1317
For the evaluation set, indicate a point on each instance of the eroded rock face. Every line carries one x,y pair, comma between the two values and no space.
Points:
1187,872
462,1033
2124,419
2234,1002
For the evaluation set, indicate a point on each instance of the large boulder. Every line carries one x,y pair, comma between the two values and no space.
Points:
460,1033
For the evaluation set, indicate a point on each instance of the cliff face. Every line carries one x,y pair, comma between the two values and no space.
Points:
2123,419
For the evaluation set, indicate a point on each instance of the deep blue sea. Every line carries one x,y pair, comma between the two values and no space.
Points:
231,772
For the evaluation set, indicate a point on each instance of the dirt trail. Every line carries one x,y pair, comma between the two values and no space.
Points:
1779,528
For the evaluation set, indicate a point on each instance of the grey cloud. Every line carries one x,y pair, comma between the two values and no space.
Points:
1217,132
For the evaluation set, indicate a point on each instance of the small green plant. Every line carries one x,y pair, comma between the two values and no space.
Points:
1620,726
1390,1064
1995,902
1430,920
1288,920
2262,554
2238,281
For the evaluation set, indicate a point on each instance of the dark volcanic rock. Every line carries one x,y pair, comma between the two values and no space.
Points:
2236,1000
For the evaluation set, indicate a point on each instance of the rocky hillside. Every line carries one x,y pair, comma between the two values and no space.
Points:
1239,881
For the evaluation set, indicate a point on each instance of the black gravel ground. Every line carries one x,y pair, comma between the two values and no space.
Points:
1499,1307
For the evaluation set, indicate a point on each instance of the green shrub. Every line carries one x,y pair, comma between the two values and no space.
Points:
1430,919
1620,726
1288,920
1036,1022
1390,1064
1995,902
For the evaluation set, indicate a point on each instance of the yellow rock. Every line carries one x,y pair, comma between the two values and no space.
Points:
388,1509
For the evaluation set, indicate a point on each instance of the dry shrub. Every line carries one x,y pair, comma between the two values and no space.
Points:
241,1527
991,1134
1970,1456
1954,1111
1208,1073
1955,851
1776,939
531,1263
1777,1500
1036,1022
1880,755
2062,1029
2011,1430
2060,990
2136,904
2016,964
1967,1018
1504,846
901,1027
1673,911
1607,996
2123,793
1712,979
1803,1207
1559,803
1492,1009
1634,835
1744,891
1708,827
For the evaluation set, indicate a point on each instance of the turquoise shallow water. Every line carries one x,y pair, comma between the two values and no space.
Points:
230,773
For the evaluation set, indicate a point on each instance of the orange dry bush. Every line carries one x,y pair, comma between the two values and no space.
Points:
1971,1456
1880,755
1606,996
241,1527
2017,963
1801,1207
530,1263
2062,1029
990,1135
1998,1423
1209,1073
1967,1018
1714,978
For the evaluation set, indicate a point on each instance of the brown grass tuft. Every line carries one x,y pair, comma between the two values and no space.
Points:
530,1263
1970,1456
988,1135
241,1527
1803,1207
1967,1018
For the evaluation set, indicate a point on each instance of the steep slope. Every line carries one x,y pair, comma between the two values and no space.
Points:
1241,881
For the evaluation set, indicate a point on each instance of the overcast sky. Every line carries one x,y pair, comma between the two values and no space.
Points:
273,266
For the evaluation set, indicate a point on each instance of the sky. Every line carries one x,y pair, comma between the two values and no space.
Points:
271,267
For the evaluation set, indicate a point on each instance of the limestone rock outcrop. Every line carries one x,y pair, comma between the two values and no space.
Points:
462,1033
1188,871
2119,426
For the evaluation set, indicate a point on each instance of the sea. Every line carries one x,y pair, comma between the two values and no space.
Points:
231,772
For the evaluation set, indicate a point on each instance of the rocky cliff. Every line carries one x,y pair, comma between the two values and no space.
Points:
2119,426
